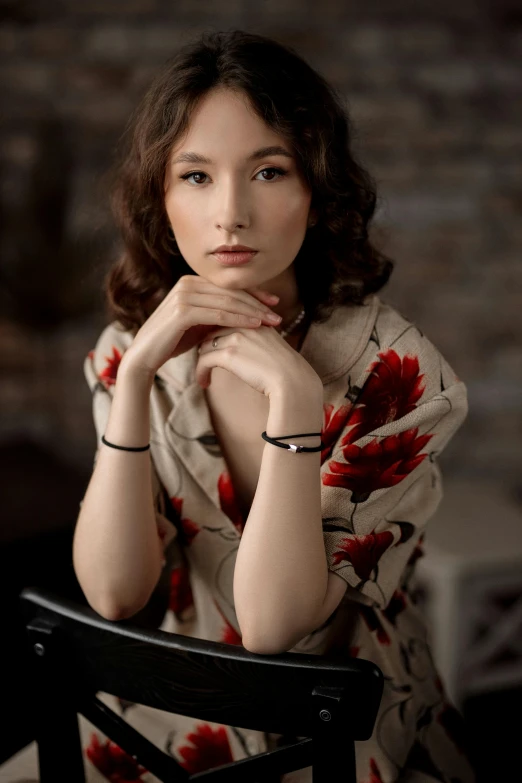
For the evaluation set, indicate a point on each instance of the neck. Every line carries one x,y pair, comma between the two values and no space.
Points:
290,317
285,286
297,336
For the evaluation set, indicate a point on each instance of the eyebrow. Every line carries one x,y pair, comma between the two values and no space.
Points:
263,152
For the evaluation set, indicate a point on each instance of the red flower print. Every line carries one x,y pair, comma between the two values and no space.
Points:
392,390
228,502
189,528
374,624
180,596
210,748
378,464
229,635
363,552
375,774
334,425
108,375
112,761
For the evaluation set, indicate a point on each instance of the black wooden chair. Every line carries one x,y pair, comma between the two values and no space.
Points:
75,653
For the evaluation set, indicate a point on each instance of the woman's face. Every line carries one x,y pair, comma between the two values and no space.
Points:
233,197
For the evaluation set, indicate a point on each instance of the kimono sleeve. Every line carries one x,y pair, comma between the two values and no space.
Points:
380,486
100,370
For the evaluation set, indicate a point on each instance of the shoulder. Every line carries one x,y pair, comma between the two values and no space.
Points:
401,374
400,385
400,349
102,361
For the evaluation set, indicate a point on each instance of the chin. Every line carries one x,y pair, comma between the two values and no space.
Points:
238,277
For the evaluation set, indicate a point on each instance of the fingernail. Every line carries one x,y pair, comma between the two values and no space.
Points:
274,297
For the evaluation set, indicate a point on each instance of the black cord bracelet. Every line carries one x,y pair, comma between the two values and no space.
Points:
291,446
124,448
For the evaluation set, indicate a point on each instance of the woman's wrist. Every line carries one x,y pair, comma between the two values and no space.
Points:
295,411
129,418
132,372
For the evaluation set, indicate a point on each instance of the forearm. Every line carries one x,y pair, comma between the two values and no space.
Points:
116,549
281,574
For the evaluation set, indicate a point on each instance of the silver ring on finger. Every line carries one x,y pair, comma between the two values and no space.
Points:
214,342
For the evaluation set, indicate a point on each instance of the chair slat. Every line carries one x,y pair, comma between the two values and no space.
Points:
209,680
329,701
135,744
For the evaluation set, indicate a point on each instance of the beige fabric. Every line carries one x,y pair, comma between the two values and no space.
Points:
391,404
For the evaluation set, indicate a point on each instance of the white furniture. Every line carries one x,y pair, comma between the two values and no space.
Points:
470,585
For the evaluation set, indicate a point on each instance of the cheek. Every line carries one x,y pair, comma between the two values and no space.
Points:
288,226
292,210
185,220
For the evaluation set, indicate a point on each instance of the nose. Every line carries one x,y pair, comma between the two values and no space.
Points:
232,206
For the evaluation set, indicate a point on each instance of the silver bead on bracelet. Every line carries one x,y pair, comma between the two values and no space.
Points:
292,446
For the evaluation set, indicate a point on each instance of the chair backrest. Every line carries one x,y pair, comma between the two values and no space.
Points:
76,653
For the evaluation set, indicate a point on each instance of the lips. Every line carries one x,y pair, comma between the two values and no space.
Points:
234,248
234,258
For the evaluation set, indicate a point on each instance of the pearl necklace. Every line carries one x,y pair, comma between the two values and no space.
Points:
295,322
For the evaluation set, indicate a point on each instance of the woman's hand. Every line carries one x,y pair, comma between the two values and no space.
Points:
259,357
191,309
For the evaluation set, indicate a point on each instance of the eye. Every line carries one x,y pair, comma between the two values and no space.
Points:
193,174
280,174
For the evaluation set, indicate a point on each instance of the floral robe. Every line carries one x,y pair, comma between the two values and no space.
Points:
391,404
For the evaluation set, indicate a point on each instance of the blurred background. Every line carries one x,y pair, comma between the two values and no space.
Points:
434,92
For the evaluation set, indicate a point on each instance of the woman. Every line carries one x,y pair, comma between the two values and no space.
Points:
199,393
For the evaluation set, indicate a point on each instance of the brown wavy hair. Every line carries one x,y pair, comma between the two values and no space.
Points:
299,104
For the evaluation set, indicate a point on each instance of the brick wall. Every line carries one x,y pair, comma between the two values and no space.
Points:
435,94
